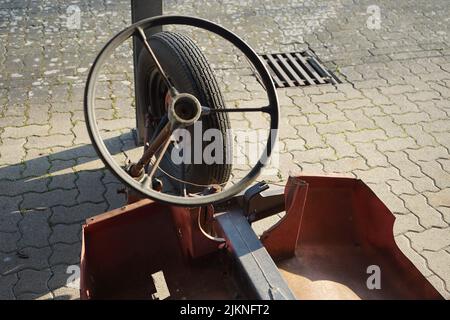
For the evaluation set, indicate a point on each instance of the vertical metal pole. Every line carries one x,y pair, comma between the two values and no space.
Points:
141,9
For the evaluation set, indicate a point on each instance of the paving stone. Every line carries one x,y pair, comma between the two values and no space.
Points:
440,198
353,104
439,284
422,95
63,233
60,123
312,168
48,199
418,205
423,184
404,243
335,127
421,137
25,258
428,153
360,120
402,187
25,131
65,253
35,229
339,143
395,144
438,263
383,192
311,136
343,165
400,160
12,172
6,285
365,135
9,213
405,223
433,239
113,199
32,281
78,213
332,112
313,155
38,114
434,170
436,126
36,167
12,151
56,140
90,186
35,296
375,96
65,293
60,276
373,157
8,241
398,89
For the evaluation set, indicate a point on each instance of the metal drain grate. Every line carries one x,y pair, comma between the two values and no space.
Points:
298,69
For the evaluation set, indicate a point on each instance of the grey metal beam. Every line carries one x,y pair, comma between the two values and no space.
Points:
257,273
142,9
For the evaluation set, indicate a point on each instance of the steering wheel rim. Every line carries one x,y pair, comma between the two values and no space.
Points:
117,170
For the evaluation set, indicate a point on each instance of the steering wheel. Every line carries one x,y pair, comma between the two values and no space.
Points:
183,110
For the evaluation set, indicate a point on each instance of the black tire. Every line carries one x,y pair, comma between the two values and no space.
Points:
190,72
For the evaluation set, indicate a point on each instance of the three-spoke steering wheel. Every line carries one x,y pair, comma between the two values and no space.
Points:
183,110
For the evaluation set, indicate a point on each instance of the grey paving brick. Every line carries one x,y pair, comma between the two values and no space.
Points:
113,199
34,228
56,140
428,153
48,199
78,213
404,244
63,233
434,170
335,127
428,216
32,281
433,239
6,285
12,151
343,165
366,135
24,258
8,241
25,131
65,253
405,223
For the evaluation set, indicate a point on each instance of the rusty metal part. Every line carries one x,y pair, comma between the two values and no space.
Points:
136,169
255,270
333,230
281,239
345,228
124,247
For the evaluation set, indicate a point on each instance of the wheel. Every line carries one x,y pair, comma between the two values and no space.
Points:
182,110
189,72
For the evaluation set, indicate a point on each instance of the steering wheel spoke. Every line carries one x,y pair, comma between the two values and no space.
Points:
207,111
162,151
141,35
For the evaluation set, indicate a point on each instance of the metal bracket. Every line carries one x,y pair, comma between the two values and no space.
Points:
261,201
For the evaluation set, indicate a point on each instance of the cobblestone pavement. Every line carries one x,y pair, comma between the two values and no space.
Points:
388,123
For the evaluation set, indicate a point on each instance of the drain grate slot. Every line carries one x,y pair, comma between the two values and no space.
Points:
298,69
